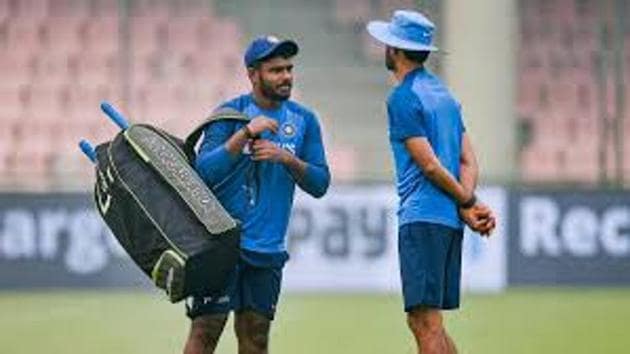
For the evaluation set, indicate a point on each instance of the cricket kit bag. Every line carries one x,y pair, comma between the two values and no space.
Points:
160,210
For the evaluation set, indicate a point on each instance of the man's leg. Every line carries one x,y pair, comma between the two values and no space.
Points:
259,293
208,315
453,280
204,334
450,344
429,283
427,327
252,332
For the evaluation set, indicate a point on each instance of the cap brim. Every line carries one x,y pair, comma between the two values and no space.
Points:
381,32
285,48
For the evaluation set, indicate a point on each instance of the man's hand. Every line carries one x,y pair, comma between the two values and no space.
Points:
479,218
252,130
265,150
261,123
487,226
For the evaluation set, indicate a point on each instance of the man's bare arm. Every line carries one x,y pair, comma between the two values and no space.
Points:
469,169
422,153
469,175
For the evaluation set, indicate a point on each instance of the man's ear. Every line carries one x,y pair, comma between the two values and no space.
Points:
396,52
252,73
392,51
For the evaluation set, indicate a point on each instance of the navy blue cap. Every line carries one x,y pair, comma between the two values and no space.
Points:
264,47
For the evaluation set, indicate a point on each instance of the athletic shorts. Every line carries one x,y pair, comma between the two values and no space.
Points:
430,265
254,285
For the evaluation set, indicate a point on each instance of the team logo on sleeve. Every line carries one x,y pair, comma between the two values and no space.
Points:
288,130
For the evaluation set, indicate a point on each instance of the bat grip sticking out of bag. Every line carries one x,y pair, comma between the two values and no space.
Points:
88,149
116,117
113,114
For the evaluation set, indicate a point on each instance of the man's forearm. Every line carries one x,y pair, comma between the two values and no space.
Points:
296,167
469,169
443,179
237,141
214,164
469,175
312,179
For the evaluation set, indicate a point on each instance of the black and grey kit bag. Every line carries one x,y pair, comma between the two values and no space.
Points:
162,212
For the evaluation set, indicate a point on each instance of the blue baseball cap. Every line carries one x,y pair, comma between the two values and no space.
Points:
267,46
408,30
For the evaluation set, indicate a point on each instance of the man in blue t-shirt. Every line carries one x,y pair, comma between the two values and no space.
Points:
436,173
253,168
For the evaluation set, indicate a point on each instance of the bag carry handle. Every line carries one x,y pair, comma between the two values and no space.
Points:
220,114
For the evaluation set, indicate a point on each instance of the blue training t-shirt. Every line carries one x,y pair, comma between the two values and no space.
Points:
260,193
422,106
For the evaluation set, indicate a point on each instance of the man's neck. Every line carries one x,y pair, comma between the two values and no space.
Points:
264,102
405,68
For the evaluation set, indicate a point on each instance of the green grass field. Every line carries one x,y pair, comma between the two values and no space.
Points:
519,321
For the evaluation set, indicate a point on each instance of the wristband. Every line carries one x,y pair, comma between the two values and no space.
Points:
469,203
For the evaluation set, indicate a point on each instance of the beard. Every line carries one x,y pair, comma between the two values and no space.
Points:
280,92
389,60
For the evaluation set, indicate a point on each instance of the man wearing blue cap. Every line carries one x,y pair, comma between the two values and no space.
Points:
436,172
253,168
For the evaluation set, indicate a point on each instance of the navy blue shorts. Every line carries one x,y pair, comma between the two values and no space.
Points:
430,265
254,285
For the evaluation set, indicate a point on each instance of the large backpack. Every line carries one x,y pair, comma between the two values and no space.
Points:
162,212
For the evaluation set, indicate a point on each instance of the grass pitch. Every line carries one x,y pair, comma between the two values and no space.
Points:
519,321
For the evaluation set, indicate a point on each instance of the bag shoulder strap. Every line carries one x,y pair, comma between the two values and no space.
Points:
218,115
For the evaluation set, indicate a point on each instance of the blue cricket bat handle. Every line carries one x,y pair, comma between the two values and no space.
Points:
88,149
114,115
